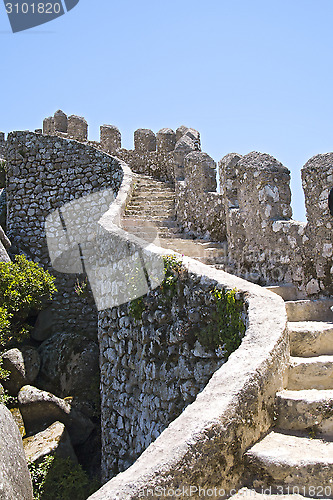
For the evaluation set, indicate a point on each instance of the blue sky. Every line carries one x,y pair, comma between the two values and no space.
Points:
249,75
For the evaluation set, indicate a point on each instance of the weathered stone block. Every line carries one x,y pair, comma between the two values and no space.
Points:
60,121
110,138
48,125
166,140
144,140
77,128
15,478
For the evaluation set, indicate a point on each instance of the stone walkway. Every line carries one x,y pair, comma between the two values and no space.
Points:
151,215
296,457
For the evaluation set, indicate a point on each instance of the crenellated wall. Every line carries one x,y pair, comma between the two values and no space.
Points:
252,213
265,243
2,145
161,156
153,370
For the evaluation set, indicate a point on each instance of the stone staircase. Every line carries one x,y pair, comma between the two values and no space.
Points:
150,214
296,457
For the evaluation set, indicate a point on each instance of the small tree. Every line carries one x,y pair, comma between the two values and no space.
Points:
24,288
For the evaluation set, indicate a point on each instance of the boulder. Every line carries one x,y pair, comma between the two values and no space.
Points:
15,482
43,326
17,416
23,364
69,366
40,409
52,441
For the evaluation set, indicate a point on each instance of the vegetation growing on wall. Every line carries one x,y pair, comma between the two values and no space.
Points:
56,478
226,328
173,268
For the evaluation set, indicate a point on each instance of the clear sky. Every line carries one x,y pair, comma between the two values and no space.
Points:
250,75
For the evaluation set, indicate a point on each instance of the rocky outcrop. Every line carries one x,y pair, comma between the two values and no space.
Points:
69,365
39,409
43,327
52,441
15,480
23,364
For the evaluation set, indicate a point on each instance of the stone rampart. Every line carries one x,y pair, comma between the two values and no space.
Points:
44,174
265,243
203,447
162,156
252,213
2,145
152,369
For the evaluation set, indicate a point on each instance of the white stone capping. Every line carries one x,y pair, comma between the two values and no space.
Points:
117,209
204,446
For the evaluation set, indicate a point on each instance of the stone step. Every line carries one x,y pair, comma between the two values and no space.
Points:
267,494
131,221
151,204
309,310
150,212
194,249
306,409
154,189
281,460
310,338
310,373
141,200
287,291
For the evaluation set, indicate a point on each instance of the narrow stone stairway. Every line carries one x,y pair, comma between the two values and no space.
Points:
296,457
150,214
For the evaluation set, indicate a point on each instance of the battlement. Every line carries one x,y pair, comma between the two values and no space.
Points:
252,213
164,152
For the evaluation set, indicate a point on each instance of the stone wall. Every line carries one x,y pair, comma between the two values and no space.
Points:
265,243
2,145
203,447
152,367
162,156
199,207
46,173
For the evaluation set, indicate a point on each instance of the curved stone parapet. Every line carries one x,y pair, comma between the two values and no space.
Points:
203,447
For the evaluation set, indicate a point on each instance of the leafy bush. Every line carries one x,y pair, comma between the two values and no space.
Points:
173,268
60,479
226,328
24,288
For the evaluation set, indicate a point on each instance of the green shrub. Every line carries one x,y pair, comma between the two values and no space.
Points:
173,268
24,288
136,308
226,328
60,479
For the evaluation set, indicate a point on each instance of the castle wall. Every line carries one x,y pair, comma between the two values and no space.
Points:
265,243
2,145
199,208
152,368
162,156
46,173
252,212
232,412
